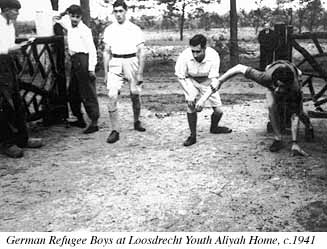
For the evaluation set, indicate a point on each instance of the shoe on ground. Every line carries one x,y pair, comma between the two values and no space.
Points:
91,129
34,143
220,130
309,134
190,141
78,123
13,151
113,137
276,146
138,126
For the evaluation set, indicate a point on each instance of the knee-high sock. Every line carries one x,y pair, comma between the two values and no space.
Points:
215,118
113,115
192,119
136,102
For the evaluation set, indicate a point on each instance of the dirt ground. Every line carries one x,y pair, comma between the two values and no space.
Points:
150,182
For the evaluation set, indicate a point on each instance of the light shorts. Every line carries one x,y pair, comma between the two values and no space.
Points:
196,90
123,70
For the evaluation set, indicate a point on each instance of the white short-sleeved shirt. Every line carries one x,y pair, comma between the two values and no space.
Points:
123,38
7,32
186,66
80,40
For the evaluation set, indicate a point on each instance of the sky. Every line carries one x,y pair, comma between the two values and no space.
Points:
30,7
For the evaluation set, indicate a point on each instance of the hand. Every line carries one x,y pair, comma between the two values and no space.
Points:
56,18
199,106
139,78
297,151
92,75
191,104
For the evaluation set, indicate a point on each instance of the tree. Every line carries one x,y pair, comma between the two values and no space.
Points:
179,8
234,58
55,4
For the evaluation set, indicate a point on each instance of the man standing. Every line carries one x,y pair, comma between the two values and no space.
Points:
82,87
268,41
281,78
123,61
13,130
197,67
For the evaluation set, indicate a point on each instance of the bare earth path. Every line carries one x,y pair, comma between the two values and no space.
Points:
149,182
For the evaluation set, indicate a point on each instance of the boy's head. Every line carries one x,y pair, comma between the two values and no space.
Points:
10,9
283,80
120,9
75,13
198,44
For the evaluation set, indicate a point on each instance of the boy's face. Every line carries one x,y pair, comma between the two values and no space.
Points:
120,14
198,53
75,19
11,14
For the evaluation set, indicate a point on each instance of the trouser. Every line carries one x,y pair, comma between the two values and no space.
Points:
82,89
13,128
266,58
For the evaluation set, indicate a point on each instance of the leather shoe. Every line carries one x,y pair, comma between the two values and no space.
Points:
113,137
34,143
91,129
220,130
138,126
189,141
276,146
13,151
78,123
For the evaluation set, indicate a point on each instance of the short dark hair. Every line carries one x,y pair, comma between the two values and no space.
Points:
75,10
284,74
121,3
9,4
198,39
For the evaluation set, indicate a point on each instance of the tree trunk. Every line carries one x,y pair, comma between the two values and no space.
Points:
85,5
233,50
181,28
54,4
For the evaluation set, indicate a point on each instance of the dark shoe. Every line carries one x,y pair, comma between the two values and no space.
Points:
13,151
189,141
78,123
276,146
34,143
138,126
113,137
309,134
220,130
91,129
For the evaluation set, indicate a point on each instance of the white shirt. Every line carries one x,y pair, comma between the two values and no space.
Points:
7,32
123,38
187,66
80,40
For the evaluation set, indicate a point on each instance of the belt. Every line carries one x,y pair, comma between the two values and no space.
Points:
124,55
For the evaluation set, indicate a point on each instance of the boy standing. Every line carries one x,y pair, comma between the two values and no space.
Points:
83,54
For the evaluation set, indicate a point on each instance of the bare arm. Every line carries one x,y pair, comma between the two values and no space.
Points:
217,83
141,59
296,150
106,59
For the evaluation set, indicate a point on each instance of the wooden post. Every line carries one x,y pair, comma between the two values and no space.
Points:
284,47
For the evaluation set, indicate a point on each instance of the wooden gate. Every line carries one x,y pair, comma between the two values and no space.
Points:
313,64
42,79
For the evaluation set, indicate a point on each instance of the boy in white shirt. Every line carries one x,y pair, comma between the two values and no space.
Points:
83,54
123,61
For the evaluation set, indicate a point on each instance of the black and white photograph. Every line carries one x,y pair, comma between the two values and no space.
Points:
163,116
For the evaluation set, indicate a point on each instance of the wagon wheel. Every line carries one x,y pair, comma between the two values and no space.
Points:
308,68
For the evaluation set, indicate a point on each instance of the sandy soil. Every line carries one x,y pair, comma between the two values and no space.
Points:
150,182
